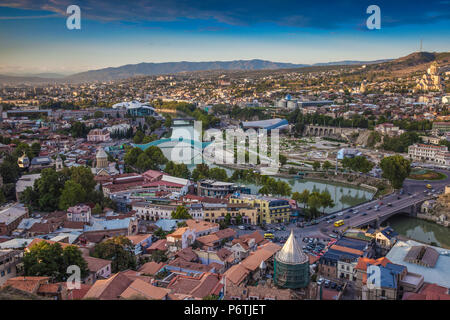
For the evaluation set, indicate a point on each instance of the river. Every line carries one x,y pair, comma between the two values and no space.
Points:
420,230
343,195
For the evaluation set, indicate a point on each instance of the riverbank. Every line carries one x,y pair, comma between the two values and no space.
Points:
367,183
434,219
421,230
380,187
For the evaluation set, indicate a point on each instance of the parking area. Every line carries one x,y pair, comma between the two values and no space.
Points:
315,246
330,284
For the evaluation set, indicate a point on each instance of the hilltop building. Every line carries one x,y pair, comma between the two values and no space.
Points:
431,81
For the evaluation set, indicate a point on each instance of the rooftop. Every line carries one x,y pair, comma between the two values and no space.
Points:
438,274
292,253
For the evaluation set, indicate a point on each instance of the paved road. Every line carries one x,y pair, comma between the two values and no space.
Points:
323,228
413,193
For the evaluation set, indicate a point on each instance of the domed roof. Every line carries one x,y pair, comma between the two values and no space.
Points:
291,253
101,154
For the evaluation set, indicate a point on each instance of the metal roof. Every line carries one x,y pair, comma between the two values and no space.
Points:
292,253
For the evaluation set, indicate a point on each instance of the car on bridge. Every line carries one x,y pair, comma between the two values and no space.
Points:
364,213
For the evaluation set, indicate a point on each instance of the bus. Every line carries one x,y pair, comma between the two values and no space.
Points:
269,236
339,223
428,186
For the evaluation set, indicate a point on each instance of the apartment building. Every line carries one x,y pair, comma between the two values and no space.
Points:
426,152
215,212
153,211
269,210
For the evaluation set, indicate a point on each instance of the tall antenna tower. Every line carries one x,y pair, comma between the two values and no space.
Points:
421,45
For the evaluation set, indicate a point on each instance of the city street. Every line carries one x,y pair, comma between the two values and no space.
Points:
323,229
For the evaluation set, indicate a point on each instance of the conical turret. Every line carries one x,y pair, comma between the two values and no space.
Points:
291,253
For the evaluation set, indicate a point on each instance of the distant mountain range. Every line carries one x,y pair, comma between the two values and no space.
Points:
152,69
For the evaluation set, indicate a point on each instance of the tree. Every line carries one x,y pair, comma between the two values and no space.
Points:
51,260
302,197
327,165
72,194
138,137
181,213
177,170
36,149
156,156
143,162
84,177
316,165
218,174
132,155
314,203
79,130
9,170
73,256
283,159
49,188
120,250
358,164
98,114
200,172
168,123
396,169
97,209
326,201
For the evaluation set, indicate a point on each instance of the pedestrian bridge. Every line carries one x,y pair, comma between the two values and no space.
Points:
172,143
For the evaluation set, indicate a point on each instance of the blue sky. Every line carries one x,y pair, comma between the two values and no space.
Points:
34,37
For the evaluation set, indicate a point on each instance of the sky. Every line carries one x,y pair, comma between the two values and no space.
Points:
34,37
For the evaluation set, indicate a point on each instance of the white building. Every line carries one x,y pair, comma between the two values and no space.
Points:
79,213
426,152
153,212
389,129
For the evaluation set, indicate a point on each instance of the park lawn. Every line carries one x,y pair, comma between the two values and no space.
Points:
428,175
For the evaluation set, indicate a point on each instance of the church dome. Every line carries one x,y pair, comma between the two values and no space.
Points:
101,154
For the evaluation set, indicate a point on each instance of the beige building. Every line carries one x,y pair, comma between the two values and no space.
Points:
269,210
431,81
215,212
389,129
